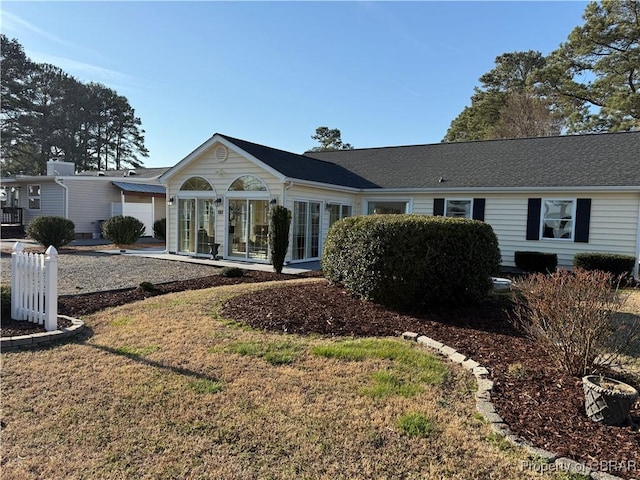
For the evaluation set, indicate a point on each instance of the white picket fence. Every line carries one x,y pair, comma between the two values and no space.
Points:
34,286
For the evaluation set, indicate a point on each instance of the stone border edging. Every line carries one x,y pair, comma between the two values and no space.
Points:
42,338
484,406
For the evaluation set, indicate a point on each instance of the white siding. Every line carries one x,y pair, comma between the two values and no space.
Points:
220,174
90,201
51,201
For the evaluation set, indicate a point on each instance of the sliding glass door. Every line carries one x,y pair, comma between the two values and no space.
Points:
196,225
248,228
306,230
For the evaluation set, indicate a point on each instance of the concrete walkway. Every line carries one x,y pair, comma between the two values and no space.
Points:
161,254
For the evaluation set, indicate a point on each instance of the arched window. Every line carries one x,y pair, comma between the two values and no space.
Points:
248,183
196,184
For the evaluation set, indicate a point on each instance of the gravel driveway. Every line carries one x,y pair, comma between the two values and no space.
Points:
91,272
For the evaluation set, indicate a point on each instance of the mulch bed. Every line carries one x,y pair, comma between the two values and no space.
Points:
542,405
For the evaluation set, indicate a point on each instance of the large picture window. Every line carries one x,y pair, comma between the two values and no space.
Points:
384,207
558,219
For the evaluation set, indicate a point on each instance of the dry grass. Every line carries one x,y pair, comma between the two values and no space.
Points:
162,390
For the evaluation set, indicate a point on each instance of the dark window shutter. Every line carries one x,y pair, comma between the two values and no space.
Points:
533,219
438,206
583,219
478,209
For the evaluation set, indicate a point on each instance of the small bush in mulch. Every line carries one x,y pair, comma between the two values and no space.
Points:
572,316
232,272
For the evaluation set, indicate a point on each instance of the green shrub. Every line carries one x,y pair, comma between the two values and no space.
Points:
123,230
536,262
616,265
279,236
51,231
160,229
147,287
5,301
410,261
232,272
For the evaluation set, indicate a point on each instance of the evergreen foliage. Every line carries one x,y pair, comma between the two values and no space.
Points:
619,266
280,223
123,230
412,261
51,231
160,229
48,114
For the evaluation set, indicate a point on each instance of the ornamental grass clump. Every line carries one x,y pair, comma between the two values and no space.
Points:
573,316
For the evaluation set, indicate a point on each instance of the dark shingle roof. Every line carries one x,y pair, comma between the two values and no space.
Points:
568,161
302,167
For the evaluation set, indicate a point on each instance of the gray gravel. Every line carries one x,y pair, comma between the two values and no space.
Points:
91,272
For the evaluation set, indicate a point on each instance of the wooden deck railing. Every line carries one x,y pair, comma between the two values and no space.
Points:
11,216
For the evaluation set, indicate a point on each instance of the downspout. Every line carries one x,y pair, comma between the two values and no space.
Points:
60,182
286,186
636,273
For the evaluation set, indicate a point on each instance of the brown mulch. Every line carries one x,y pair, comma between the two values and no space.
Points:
87,303
543,406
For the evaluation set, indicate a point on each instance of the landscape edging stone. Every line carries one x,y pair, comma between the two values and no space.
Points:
42,338
486,408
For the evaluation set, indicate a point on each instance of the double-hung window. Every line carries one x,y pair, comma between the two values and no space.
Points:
558,218
34,196
459,208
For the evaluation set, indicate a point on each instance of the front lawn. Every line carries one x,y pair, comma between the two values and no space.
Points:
167,388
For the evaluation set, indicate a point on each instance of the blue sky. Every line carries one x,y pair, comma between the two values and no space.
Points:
384,73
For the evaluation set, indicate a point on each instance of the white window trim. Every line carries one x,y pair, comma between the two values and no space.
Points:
30,197
573,219
366,201
446,205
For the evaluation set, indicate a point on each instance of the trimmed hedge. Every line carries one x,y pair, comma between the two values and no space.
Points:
616,265
536,262
123,230
410,261
51,231
160,229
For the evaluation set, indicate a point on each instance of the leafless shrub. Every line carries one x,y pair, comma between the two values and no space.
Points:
573,316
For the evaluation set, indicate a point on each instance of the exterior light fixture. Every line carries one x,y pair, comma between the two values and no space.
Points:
218,201
170,201
273,201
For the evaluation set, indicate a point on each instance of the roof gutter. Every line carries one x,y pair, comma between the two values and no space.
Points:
441,190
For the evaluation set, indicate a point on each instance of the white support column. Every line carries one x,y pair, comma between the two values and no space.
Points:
51,289
16,294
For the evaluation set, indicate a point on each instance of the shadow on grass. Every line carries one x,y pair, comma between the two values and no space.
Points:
151,363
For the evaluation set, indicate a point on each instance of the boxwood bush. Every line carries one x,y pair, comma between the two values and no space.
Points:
123,230
536,262
411,261
616,265
51,231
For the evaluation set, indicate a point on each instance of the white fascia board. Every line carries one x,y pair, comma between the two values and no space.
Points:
327,186
205,146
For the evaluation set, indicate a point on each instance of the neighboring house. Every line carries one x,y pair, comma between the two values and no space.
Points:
563,195
86,198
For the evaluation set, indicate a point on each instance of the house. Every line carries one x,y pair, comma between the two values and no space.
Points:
86,198
563,195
